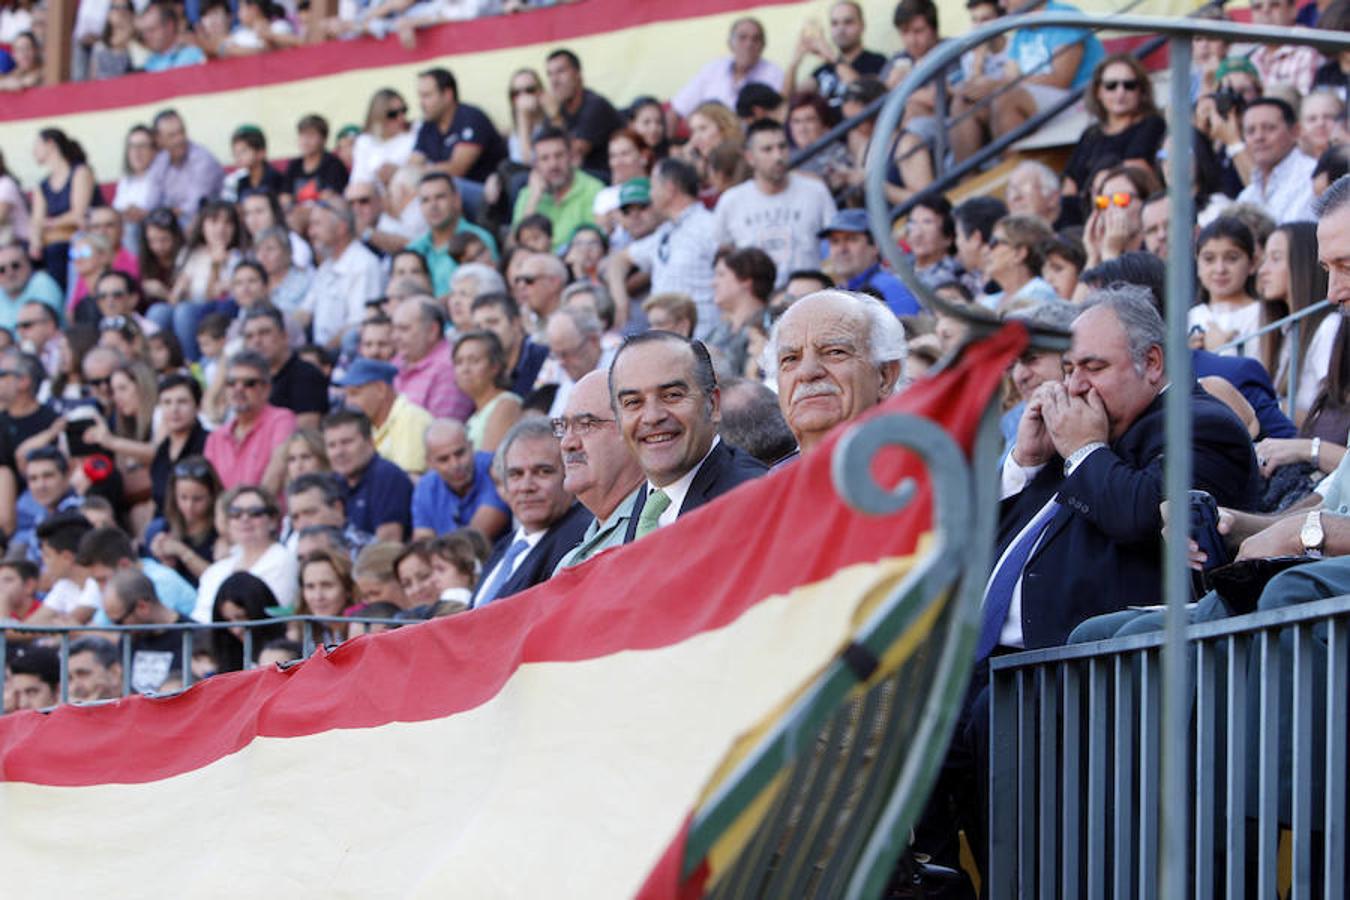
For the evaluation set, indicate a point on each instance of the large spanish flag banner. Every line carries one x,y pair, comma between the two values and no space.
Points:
550,745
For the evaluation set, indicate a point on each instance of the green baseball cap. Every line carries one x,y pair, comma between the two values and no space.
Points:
635,190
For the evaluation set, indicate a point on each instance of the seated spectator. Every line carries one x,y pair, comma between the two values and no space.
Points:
1035,367
373,572
34,680
160,30
348,274
1062,261
556,189
470,281
94,668
13,208
1057,60
742,283
20,284
843,59
184,172
722,79
574,339
108,223
242,597
251,517
675,440
161,250
1154,218
587,118
584,251
1128,129
91,257
499,314
417,577
1116,222
676,313
549,521
24,416
126,436
809,117
525,93
296,385
383,234
1281,176
61,202
287,282
399,424
107,550
1283,64
425,370
377,338
743,212
1289,281
379,493
185,538
48,491
71,598
711,124
1321,122
440,203
455,138
27,71
318,500
262,26
253,172
1034,190
537,284
1226,308
482,375
117,49
315,172
156,656
387,141
930,232
753,422
326,589
856,262
39,333
457,491
1014,261
244,451
214,248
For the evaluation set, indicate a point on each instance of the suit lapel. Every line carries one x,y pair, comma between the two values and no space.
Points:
706,477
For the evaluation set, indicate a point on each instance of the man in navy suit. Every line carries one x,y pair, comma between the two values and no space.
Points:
666,399
549,521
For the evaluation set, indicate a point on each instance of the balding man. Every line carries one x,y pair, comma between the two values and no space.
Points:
538,285
597,466
426,371
668,404
573,336
836,355
457,491
723,78
348,274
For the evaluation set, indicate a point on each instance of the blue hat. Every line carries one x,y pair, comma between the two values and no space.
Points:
848,220
366,371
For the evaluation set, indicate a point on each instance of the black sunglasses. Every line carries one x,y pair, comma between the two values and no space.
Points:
249,383
396,112
525,279
1129,84
248,512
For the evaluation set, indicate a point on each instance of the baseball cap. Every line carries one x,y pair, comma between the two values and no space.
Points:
635,190
367,371
847,220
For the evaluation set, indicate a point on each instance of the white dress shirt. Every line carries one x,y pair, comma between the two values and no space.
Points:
678,490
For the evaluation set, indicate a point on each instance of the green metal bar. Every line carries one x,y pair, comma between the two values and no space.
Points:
1177,476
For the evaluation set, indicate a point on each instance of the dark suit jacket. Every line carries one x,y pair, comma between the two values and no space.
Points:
725,468
1250,378
543,558
1104,553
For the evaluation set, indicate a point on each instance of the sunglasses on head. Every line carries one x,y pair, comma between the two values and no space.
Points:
1129,84
1119,198
192,470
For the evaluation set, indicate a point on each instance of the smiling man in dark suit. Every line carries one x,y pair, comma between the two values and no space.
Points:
668,404
549,521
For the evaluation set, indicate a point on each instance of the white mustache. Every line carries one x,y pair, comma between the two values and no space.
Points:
814,389
575,458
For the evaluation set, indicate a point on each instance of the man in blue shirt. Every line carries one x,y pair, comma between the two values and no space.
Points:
455,137
159,31
457,490
379,494
856,262
1055,60
19,284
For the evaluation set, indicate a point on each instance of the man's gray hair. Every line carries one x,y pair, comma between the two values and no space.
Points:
1049,181
408,286
248,359
1134,309
555,267
486,279
885,335
1048,313
604,303
530,428
586,323
1334,198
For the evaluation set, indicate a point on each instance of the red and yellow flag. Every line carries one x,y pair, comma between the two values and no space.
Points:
552,745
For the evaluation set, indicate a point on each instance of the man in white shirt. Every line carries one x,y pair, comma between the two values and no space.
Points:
1281,173
348,274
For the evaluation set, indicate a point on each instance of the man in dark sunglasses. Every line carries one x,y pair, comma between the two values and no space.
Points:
19,284
246,450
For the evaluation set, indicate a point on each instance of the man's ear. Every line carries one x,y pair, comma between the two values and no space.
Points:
890,375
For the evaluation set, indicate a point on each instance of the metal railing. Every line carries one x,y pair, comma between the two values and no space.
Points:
1294,321
124,637
1076,744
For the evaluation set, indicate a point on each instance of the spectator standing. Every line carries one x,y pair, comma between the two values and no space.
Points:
443,212
348,274
843,61
63,198
184,173
455,138
379,494
1281,178
160,31
399,425
243,450
557,189
722,79
778,211
457,491
588,118
426,372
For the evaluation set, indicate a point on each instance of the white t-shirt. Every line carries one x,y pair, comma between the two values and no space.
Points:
277,568
66,596
369,153
1239,321
783,225
15,226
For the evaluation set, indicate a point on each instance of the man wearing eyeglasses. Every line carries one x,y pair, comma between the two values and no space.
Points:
19,284
574,343
597,466
244,451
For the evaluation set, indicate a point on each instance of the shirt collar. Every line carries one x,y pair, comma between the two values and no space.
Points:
680,489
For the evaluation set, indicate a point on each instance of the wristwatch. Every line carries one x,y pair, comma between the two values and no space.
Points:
1233,150
1311,535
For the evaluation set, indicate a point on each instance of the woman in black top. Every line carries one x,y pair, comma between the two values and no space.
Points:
180,399
1128,128
185,538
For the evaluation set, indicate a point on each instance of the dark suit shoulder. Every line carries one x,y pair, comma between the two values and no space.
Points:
725,468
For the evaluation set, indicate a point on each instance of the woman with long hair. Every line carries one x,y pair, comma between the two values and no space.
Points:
111,56
1289,281
215,245
127,435
1326,428
137,194
524,95
1225,252
185,536
287,282
243,597
305,453
481,373
647,117
326,589
13,207
1127,129
160,253
61,201
27,72
387,141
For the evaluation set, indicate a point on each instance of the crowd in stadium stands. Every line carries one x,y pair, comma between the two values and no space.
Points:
431,361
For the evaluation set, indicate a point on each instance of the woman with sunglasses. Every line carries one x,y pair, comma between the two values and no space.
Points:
60,203
525,94
184,537
387,141
250,517
1128,129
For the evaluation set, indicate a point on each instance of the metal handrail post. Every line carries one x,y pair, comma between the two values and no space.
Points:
1295,363
1176,573
940,114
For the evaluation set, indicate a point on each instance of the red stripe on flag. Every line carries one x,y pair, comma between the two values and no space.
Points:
765,538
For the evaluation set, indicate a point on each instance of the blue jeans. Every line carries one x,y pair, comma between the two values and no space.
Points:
182,318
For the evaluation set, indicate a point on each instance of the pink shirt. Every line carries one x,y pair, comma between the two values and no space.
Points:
244,461
430,383
124,261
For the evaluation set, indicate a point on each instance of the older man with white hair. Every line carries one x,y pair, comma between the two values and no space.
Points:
836,354
471,281
1033,190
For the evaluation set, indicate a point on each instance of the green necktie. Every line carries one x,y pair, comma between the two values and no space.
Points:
657,502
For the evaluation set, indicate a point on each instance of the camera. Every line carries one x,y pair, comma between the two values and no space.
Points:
1226,100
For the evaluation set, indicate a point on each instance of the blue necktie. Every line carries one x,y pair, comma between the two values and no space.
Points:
504,571
998,596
